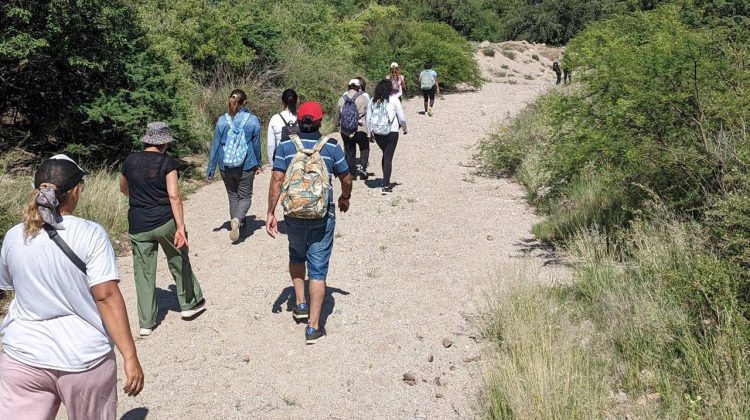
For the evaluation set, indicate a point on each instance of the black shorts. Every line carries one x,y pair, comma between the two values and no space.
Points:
429,93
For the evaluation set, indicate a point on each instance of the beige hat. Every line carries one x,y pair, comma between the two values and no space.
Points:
394,65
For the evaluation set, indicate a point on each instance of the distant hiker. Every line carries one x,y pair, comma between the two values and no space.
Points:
236,150
302,177
566,72
350,114
67,310
283,123
363,87
156,219
558,72
429,84
398,82
384,117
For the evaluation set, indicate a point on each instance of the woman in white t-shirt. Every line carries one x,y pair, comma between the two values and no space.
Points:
286,118
383,107
67,311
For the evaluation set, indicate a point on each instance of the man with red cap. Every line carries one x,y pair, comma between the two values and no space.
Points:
310,239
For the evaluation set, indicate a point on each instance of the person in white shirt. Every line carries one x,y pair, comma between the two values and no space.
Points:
67,310
383,109
282,123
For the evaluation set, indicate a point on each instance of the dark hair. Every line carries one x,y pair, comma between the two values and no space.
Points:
289,99
362,83
382,91
354,87
236,99
427,65
307,125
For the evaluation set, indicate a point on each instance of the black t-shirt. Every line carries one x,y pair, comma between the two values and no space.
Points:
146,173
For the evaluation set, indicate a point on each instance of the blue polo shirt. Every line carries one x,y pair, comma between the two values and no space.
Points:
331,153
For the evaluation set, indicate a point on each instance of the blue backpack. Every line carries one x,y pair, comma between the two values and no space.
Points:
235,146
349,114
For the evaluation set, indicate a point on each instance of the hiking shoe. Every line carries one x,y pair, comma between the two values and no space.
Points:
301,311
312,335
429,112
195,310
363,175
234,234
387,189
145,332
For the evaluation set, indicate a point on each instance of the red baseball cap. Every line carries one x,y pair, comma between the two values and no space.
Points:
310,109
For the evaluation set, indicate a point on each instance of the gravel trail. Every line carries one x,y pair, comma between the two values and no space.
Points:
408,276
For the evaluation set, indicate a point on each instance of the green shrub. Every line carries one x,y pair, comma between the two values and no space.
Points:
509,54
535,57
488,51
82,77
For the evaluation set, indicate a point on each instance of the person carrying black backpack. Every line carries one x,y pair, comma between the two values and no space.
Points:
282,124
352,108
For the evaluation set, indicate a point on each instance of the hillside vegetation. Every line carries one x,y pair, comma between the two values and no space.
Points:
642,168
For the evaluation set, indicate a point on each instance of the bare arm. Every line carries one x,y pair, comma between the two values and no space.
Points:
111,307
274,192
175,201
346,191
124,185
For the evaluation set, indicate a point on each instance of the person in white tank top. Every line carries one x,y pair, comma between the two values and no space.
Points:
285,118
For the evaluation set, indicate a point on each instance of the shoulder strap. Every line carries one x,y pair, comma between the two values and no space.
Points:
52,232
229,120
320,144
282,119
244,120
297,142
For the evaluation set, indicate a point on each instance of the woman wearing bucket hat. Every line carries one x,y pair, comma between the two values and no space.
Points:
67,309
156,219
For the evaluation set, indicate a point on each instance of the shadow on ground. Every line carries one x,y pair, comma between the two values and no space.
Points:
532,247
287,298
135,414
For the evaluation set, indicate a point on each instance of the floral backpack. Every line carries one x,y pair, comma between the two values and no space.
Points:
307,184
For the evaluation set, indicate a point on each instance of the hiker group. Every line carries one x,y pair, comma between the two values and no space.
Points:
67,310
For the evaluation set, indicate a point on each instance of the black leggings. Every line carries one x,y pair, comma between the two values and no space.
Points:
388,145
350,149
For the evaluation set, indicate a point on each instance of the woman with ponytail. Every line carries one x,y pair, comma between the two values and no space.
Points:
67,311
283,123
236,151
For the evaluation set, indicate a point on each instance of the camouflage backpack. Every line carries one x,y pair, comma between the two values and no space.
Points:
307,185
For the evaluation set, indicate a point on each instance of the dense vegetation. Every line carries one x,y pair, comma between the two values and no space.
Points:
642,168
85,77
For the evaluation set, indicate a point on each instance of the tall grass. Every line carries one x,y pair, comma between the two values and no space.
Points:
626,337
101,202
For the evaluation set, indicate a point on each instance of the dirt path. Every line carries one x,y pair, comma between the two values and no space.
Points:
408,271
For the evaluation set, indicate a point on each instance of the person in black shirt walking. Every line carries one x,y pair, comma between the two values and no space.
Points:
155,218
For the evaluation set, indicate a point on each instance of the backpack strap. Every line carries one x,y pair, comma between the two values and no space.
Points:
229,120
244,120
320,144
297,142
282,119
52,232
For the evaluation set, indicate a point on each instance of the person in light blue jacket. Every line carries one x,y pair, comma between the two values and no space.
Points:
238,175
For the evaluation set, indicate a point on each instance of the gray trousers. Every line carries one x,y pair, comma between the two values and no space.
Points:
239,185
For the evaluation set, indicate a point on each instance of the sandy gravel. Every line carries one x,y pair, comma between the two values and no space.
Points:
409,270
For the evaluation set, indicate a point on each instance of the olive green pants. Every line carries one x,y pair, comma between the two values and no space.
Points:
145,247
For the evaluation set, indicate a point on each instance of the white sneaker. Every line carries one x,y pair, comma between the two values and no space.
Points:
235,233
145,332
195,311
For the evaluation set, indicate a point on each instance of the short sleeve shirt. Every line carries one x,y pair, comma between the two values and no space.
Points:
146,173
53,322
332,155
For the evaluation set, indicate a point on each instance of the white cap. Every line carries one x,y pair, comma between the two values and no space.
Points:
394,65
354,82
66,157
